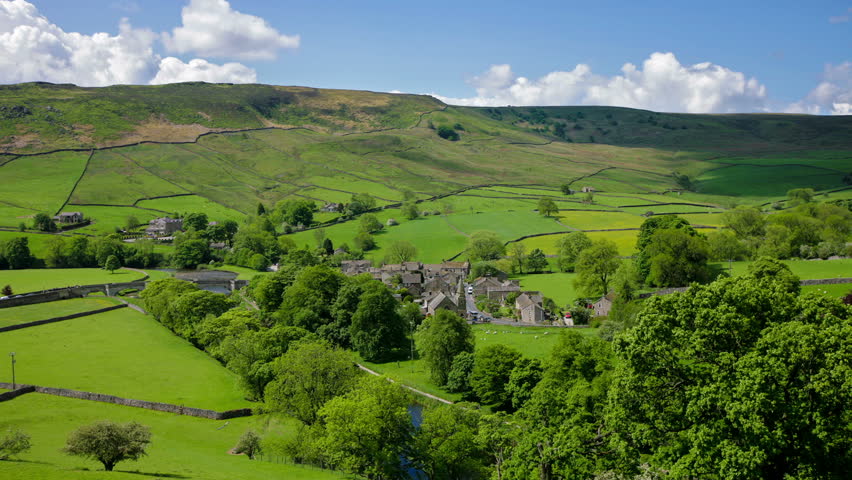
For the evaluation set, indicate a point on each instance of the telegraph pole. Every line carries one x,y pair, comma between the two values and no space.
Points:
12,354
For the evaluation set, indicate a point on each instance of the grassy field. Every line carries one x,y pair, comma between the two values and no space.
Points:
807,269
122,353
835,291
33,280
763,183
558,286
624,240
181,447
244,273
43,311
194,203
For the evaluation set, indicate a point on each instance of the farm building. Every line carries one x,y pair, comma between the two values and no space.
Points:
529,308
163,227
69,217
604,305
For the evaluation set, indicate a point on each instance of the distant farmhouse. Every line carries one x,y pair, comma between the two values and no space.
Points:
69,217
164,227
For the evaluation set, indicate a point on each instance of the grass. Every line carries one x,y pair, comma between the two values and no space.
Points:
836,291
624,240
600,220
764,183
32,280
181,447
806,269
558,286
43,311
244,273
39,184
194,203
122,353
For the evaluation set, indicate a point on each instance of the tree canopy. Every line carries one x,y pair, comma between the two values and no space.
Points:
439,339
109,443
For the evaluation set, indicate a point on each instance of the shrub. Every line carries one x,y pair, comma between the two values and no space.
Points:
14,442
447,133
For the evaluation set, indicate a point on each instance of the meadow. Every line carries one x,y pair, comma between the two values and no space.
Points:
122,353
181,447
33,280
43,311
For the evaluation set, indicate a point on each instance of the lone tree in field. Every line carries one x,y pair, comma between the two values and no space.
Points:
547,207
7,291
43,222
401,251
112,263
13,442
109,443
249,444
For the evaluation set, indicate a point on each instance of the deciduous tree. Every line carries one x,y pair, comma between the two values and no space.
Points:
485,245
439,339
109,443
595,267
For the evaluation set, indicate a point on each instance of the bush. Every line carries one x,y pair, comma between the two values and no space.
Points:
14,442
447,133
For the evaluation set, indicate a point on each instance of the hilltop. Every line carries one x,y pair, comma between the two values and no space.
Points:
137,152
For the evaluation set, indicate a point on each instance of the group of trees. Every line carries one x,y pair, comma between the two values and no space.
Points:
79,252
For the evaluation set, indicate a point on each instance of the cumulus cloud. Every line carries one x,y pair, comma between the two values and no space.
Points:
662,83
34,49
173,70
833,94
212,28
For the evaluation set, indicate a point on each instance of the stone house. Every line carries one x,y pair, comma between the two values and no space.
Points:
482,284
589,190
331,207
164,227
442,301
413,282
69,217
604,305
499,293
355,267
529,310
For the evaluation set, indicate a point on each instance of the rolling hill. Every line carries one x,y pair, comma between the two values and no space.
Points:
146,151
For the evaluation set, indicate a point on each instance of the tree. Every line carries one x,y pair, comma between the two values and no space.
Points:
13,443
55,248
523,379
445,444
458,379
131,222
190,253
490,376
109,443
566,189
308,376
297,212
547,207
7,291
367,429
569,247
485,245
112,264
537,261
377,328
400,251
249,443
195,221
595,266
800,195
17,253
319,236
518,256
485,269
626,281
741,377
723,245
328,246
745,222
410,211
364,241
439,339
676,258
261,210
646,232
43,223
369,224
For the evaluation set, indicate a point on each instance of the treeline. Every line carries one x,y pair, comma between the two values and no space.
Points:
79,252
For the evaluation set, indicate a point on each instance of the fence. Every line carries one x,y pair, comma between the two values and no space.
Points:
60,319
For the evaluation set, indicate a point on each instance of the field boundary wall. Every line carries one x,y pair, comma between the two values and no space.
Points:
62,318
128,402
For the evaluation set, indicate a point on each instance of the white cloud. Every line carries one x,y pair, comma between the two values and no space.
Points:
173,70
833,94
840,18
662,84
34,49
212,28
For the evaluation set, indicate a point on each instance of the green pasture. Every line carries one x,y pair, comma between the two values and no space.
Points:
507,225
671,209
43,311
106,219
828,159
122,353
836,291
625,241
806,269
113,178
434,238
32,280
709,219
600,220
181,447
559,286
193,204
37,241
244,273
471,203
39,184
764,183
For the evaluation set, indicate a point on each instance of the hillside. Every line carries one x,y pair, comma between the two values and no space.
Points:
147,151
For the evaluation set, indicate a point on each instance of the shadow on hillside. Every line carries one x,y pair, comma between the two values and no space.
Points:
152,474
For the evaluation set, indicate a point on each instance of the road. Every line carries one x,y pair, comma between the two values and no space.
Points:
470,305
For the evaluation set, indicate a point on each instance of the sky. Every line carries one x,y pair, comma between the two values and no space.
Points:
696,57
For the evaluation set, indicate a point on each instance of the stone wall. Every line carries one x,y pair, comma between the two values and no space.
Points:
19,390
827,281
129,402
61,319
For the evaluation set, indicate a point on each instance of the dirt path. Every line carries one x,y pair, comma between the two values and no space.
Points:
416,391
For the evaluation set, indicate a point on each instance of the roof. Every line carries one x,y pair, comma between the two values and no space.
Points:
411,278
438,299
523,301
68,214
480,280
505,288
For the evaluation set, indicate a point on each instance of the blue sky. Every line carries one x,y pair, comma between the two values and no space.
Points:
719,56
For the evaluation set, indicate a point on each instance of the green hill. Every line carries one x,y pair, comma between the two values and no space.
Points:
146,151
